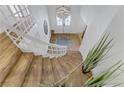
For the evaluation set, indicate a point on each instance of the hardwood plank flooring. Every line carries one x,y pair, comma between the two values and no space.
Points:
17,75
2,37
8,60
19,69
67,68
4,44
56,72
48,77
34,75
73,37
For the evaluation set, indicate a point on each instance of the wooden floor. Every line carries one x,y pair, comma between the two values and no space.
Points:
19,69
73,37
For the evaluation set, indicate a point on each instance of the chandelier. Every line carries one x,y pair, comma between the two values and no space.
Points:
63,12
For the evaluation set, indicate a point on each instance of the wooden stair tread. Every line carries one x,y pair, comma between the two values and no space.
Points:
3,36
10,50
57,69
17,75
75,56
34,75
74,53
17,69
7,60
1,33
76,78
67,67
4,45
70,63
51,74
70,60
47,76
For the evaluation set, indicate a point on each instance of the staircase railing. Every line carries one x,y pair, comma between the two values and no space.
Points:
17,30
56,50
53,50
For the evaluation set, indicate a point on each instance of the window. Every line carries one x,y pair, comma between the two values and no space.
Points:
45,26
19,11
21,21
67,21
16,11
22,17
12,8
59,21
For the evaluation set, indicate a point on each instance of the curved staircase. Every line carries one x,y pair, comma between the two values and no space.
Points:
25,69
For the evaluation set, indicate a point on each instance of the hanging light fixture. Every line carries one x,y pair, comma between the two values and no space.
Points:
63,12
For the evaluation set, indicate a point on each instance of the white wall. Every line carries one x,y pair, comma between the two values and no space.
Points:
114,18
77,24
4,22
97,19
116,28
40,14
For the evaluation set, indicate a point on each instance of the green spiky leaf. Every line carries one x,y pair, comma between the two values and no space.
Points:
100,79
97,53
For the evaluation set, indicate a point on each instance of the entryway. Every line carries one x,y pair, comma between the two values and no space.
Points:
71,40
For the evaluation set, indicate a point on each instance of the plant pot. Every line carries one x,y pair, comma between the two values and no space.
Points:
85,72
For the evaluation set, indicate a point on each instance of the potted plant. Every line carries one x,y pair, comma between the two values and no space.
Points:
101,79
97,53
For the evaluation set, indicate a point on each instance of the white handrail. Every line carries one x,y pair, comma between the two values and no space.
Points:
68,75
37,40
53,50
21,27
